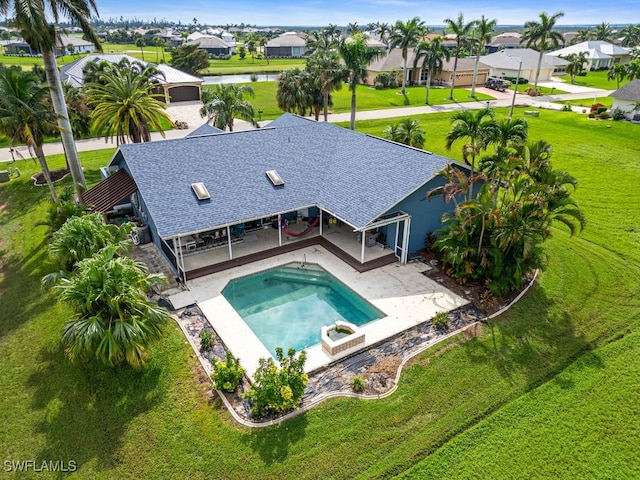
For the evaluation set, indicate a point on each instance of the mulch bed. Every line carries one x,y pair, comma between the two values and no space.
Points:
56,176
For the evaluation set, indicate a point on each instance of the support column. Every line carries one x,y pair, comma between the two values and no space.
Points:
405,241
279,230
180,261
395,243
320,222
362,235
229,240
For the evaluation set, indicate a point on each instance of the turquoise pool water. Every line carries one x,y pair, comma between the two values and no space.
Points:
287,306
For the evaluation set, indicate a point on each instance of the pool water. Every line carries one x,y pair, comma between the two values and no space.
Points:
287,306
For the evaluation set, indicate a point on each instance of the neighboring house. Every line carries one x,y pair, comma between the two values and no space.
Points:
287,45
506,63
338,180
214,46
627,99
170,37
600,55
393,62
175,86
505,40
80,46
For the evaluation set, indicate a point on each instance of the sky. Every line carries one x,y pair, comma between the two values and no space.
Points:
342,12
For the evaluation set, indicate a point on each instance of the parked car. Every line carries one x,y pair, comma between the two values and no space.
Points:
499,84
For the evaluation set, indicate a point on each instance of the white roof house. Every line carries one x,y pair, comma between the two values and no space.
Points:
600,54
506,63
627,99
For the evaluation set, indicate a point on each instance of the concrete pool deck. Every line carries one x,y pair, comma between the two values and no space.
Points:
402,292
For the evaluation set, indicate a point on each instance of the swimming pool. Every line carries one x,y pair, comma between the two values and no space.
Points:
287,306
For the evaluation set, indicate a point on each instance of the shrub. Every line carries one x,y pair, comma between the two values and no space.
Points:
254,77
617,114
206,339
440,320
592,115
383,80
604,115
601,109
277,390
566,107
532,92
357,384
596,106
227,375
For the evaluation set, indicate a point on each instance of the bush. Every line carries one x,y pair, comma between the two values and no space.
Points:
206,339
383,80
596,106
566,108
227,375
522,81
604,115
592,115
440,320
617,114
532,92
601,109
357,384
278,390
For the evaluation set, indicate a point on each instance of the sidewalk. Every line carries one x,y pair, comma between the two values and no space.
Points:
190,113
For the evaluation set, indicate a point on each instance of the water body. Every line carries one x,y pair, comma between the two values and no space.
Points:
244,78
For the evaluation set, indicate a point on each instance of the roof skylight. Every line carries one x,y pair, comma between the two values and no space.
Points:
276,180
201,191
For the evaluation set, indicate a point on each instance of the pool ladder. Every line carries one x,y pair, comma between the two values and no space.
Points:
304,261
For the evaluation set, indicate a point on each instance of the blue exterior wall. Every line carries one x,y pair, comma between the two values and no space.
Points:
426,215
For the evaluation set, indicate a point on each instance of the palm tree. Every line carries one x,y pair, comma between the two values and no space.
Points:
159,42
292,94
603,32
326,68
383,30
406,35
482,34
583,35
407,132
576,64
431,56
24,115
125,105
357,56
114,323
630,36
333,32
477,128
31,18
227,104
140,43
353,28
321,42
540,35
461,30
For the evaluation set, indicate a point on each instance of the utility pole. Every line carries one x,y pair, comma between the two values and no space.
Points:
515,90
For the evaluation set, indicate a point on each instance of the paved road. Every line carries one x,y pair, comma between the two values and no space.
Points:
190,114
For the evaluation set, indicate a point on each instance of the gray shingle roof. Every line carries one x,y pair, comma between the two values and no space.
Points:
204,129
631,91
355,176
509,58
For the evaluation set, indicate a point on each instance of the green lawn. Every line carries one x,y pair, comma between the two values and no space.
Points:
367,98
235,65
587,102
549,391
596,79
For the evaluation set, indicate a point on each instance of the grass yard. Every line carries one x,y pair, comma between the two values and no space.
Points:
596,79
549,390
587,102
236,65
367,98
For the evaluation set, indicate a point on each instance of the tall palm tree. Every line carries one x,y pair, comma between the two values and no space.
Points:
333,32
140,43
353,28
576,64
431,56
321,42
327,69
406,35
541,35
383,30
603,32
461,30
477,128
159,42
292,94
125,105
630,36
227,104
357,56
114,323
482,34
36,20
25,116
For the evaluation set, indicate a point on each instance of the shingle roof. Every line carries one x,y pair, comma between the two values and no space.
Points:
204,129
287,40
631,91
72,73
355,176
394,60
509,58
210,42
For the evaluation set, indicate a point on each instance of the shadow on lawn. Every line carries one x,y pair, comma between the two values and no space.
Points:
272,443
86,408
532,340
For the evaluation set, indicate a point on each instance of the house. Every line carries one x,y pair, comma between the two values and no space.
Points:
601,55
65,45
211,196
393,62
627,99
175,85
214,46
506,64
287,45
505,40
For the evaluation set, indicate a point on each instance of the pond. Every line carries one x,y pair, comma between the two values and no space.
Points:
243,78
